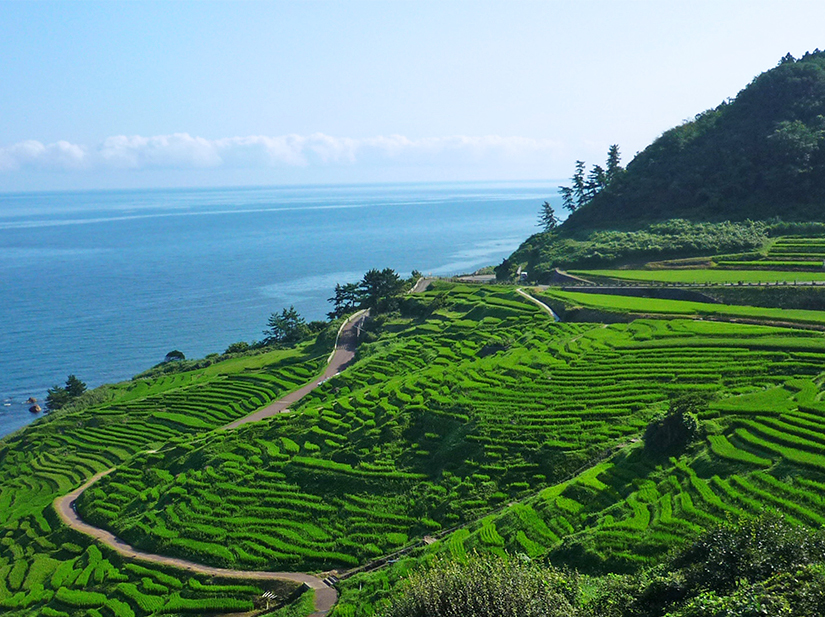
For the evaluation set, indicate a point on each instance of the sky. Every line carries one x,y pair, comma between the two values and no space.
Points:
188,94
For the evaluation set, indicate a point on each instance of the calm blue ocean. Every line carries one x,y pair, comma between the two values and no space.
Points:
102,284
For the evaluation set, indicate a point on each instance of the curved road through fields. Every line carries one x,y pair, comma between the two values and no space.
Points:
325,596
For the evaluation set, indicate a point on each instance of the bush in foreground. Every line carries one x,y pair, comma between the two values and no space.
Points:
486,586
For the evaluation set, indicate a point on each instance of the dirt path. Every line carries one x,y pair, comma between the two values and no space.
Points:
541,304
344,353
421,285
325,596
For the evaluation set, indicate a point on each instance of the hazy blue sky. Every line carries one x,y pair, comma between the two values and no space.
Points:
111,94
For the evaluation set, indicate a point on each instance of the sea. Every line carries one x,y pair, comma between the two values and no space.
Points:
102,284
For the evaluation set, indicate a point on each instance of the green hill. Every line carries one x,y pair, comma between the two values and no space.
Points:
698,188
470,417
756,156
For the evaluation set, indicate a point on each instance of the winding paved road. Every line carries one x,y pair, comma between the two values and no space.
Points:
325,596
346,344
540,304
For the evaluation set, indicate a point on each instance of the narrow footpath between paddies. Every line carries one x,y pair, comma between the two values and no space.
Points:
325,595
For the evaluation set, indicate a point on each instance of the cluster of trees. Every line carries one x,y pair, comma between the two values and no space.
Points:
59,396
758,155
378,291
669,433
287,328
584,188
665,240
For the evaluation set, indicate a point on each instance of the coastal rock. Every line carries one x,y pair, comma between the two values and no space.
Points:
31,400
35,409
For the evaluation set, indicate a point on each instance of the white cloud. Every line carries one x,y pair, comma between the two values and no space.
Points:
30,153
182,151
178,150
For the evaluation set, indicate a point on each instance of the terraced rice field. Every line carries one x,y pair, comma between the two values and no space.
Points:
705,276
45,569
762,450
439,423
482,415
629,305
796,253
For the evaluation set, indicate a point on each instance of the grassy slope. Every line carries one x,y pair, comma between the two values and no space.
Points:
652,306
763,447
445,418
44,566
406,442
704,276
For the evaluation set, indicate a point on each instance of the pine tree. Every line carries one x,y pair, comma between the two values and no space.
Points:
614,167
285,328
579,185
547,217
567,201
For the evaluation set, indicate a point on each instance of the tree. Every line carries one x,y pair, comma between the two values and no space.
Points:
596,182
285,328
580,194
614,166
547,217
239,347
347,298
74,386
567,201
584,189
58,397
670,433
378,287
174,355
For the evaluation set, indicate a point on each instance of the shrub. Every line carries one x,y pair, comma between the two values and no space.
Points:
485,586
750,550
670,433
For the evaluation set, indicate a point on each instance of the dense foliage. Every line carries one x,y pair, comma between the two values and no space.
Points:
485,586
757,156
675,238
59,397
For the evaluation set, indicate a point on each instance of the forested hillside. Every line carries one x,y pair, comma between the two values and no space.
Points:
724,182
756,156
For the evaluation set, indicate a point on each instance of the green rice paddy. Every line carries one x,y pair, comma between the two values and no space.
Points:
705,276
471,416
652,306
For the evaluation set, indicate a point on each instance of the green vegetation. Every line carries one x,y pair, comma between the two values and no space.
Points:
469,415
378,291
754,160
59,397
585,189
484,586
285,328
566,248
478,457
754,157
632,306
761,566
703,276
47,569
